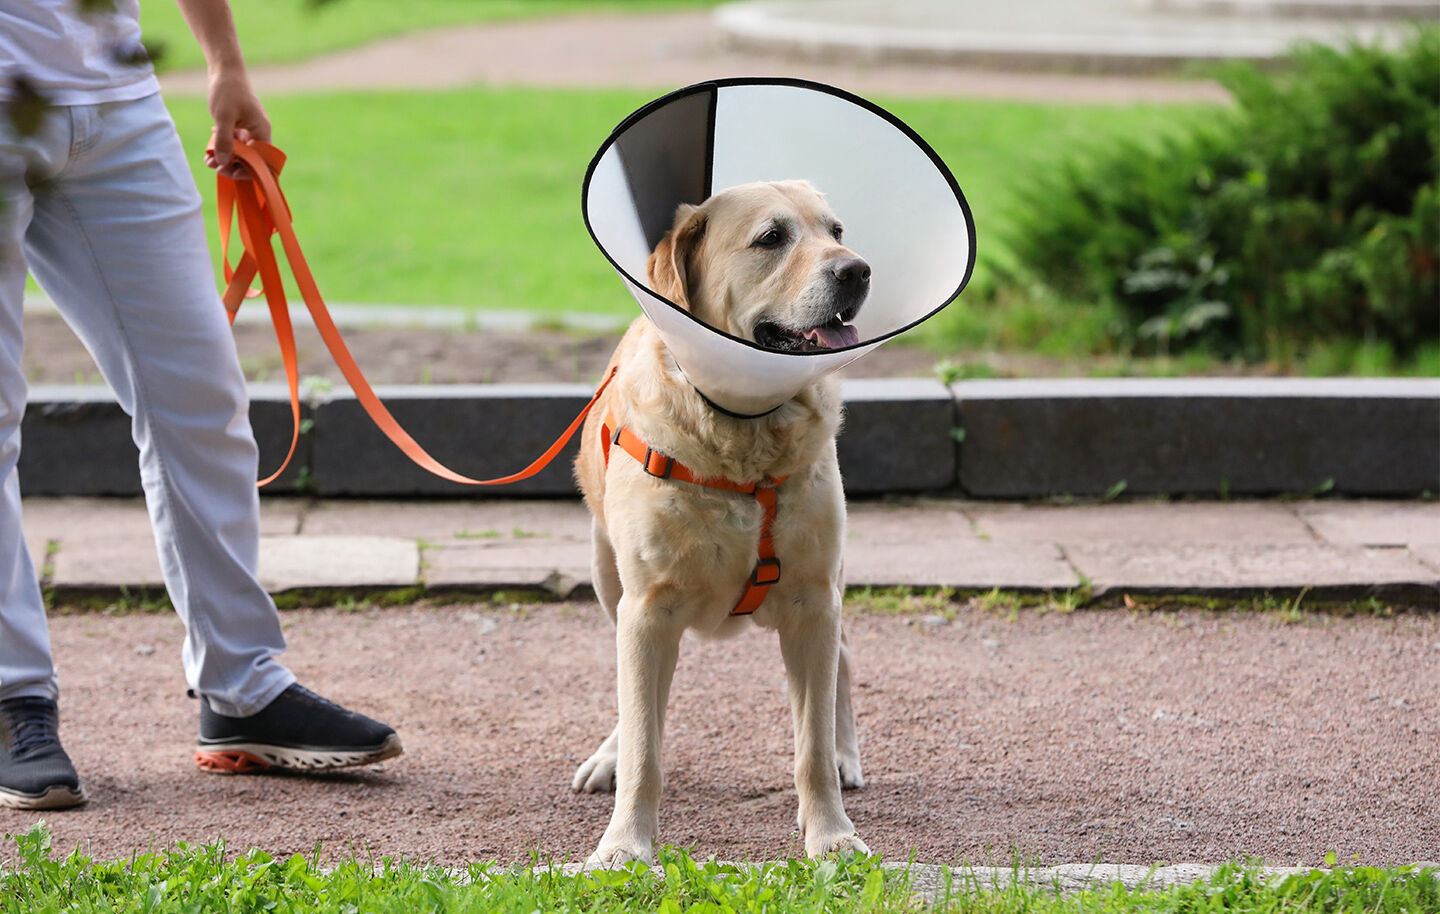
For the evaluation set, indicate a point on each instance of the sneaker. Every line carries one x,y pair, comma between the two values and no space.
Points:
35,772
298,731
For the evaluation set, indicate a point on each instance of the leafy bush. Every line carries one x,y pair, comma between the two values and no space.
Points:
1309,214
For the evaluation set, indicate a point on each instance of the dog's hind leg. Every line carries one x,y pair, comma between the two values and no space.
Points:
847,744
647,647
603,569
597,773
811,647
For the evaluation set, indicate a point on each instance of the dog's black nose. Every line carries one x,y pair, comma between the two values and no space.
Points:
851,272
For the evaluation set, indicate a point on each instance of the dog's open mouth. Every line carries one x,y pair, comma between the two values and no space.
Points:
835,333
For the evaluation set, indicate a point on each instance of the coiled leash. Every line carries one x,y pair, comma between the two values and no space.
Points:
767,566
260,210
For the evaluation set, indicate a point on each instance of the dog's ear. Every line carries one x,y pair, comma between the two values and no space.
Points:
669,264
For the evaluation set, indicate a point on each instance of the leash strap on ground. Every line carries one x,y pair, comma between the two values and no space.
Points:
767,566
260,210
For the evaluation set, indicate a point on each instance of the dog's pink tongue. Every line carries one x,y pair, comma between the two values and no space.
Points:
833,337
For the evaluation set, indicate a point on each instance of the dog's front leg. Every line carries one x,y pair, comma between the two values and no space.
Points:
646,648
811,647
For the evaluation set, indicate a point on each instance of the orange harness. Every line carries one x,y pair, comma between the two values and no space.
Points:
767,566
259,208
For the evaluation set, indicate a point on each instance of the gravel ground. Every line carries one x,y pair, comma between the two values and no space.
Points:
416,355
1092,736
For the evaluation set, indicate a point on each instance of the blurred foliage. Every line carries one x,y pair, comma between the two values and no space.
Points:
25,105
1308,215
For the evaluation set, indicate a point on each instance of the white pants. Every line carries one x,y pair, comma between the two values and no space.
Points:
102,207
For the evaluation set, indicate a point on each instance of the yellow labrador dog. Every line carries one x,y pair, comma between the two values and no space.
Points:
679,492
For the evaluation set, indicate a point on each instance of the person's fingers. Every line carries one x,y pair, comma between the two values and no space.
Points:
259,126
222,138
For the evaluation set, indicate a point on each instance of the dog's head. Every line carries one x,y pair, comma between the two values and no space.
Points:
764,262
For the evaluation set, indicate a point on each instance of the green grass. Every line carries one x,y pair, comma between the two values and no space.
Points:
274,31
193,878
472,197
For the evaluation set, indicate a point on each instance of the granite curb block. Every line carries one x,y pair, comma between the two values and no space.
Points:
1205,436
988,439
929,881
1105,38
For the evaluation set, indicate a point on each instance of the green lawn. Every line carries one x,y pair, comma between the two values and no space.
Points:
193,879
472,197
283,30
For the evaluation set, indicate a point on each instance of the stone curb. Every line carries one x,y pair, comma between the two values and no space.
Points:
987,439
928,880
1096,39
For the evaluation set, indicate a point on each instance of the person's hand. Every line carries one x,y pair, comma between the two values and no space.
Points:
239,117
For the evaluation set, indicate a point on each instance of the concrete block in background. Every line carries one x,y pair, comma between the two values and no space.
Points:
897,436
480,430
1209,436
273,424
75,440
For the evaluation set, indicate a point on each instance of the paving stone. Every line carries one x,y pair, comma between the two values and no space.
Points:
280,516
36,546
1374,523
1216,566
1429,553
291,562
455,521
558,567
103,542
102,562
912,545
1144,522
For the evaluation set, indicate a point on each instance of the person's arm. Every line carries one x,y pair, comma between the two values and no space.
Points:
235,108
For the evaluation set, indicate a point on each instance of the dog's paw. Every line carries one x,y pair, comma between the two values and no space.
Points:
850,776
613,856
596,774
836,844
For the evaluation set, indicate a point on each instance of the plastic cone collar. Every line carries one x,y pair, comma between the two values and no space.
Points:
903,212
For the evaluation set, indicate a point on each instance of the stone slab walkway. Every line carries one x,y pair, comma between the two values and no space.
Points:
1330,549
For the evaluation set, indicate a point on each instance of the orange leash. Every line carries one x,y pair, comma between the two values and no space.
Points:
767,566
260,210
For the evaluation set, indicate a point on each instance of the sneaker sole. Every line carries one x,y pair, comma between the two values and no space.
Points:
59,797
254,758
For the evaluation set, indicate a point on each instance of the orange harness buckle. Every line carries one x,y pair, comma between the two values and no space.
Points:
772,568
654,457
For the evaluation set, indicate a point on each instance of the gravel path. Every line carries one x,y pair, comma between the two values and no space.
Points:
1092,736
659,52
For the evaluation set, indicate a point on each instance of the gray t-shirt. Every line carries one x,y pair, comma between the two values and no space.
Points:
74,59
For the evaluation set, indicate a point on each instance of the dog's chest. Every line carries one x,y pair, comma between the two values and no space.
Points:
694,549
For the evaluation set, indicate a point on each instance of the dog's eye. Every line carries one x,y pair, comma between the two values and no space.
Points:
770,238
837,231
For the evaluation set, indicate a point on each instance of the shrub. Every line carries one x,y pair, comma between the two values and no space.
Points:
1308,214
